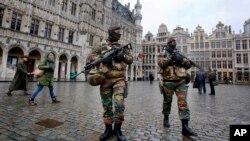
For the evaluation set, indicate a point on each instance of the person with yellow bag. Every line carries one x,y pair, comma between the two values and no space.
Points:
46,79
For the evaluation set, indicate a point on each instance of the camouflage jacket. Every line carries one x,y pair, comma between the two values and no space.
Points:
117,69
172,71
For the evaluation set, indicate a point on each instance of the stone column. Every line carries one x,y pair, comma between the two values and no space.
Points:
68,69
57,67
7,17
4,63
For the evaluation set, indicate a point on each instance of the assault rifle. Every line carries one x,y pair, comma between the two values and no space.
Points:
175,52
107,55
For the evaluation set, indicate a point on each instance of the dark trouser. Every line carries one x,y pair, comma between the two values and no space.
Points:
212,87
202,86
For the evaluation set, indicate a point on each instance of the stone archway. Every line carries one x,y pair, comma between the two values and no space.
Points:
62,68
73,66
34,60
14,56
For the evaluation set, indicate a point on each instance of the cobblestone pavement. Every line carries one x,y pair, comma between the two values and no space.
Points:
81,113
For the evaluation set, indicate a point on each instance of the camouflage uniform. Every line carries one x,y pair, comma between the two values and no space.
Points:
174,78
174,81
113,85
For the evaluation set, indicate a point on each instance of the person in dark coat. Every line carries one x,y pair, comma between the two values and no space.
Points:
212,78
200,79
151,78
20,80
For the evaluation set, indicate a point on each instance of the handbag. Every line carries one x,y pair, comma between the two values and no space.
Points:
195,84
38,72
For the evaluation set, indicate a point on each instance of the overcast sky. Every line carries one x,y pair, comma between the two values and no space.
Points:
190,13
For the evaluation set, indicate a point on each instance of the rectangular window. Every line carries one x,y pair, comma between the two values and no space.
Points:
51,2
16,21
71,37
192,45
217,35
213,54
237,44
61,34
93,14
218,44
229,54
206,45
218,54
201,38
185,49
34,27
213,64
230,64
212,44
12,60
229,44
245,58
91,40
224,44
238,58
218,64
223,35
202,45
73,9
244,44
224,64
196,45
64,5
224,54
47,31
1,16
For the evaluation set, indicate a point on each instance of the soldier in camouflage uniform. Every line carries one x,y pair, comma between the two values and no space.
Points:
174,74
113,85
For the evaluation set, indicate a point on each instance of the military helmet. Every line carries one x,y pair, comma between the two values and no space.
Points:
95,77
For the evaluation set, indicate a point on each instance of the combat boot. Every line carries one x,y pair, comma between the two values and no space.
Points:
107,133
166,122
186,131
118,133
9,93
54,100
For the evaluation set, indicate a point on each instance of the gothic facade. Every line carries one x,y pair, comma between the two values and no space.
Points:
71,28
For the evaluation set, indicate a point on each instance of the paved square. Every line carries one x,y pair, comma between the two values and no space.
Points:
81,113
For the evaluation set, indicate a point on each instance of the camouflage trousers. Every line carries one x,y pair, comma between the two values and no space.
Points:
180,89
112,91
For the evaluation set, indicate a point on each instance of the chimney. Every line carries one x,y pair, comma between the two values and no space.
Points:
229,29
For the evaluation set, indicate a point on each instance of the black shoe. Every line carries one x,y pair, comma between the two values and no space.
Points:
166,122
186,131
118,133
9,93
54,100
211,94
107,133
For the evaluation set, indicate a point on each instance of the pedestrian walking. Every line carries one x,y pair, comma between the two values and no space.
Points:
48,68
20,80
151,78
201,81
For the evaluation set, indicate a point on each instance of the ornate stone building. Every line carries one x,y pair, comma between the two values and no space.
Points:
221,50
71,28
241,53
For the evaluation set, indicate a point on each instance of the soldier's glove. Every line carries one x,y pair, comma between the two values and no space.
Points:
120,57
176,58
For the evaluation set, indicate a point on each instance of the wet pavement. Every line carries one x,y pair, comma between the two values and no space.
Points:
81,113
